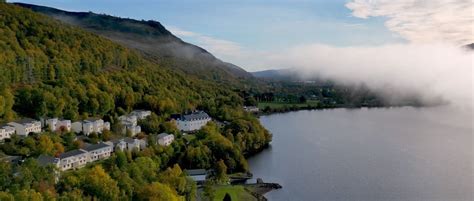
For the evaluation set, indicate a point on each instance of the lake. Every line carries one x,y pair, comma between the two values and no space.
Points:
382,154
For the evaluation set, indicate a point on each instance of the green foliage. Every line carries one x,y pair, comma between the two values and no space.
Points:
99,184
221,172
157,192
51,69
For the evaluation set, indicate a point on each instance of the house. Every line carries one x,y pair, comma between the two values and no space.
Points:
45,160
129,144
91,125
251,109
193,121
165,139
198,175
55,124
141,114
10,159
26,126
130,119
130,124
74,159
99,151
6,131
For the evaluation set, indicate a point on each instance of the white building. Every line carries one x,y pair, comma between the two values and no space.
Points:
99,151
251,108
131,119
6,132
129,144
141,114
91,125
74,159
55,124
129,123
26,126
165,139
193,121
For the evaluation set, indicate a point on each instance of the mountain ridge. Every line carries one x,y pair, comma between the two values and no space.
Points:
153,40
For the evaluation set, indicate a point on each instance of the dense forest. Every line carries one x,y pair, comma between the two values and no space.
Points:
154,42
50,69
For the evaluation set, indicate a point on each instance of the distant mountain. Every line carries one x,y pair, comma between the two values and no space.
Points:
280,74
153,40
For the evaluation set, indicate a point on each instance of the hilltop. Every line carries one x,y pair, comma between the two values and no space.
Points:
153,40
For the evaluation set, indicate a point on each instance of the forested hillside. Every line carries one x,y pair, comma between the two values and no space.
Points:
48,68
154,41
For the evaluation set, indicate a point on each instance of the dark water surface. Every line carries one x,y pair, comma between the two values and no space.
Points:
412,154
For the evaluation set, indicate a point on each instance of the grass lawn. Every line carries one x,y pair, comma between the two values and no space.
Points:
189,137
262,105
237,193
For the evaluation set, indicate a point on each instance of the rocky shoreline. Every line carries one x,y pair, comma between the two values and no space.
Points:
259,189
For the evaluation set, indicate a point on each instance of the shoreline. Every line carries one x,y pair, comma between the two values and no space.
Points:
278,111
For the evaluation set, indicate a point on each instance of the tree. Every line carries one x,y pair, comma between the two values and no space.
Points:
5,196
156,192
45,145
5,176
121,159
98,183
208,191
250,101
302,99
28,195
221,172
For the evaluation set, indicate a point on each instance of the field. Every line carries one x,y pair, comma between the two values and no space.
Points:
237,193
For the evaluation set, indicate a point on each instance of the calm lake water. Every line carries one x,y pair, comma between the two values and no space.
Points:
412,154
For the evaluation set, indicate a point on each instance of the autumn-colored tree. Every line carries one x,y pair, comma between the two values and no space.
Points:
98,183
45,145
28,195
157,191
221,172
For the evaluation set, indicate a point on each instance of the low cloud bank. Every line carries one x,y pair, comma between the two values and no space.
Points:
432,72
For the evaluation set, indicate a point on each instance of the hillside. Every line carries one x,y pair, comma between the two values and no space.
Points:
48,68
153,40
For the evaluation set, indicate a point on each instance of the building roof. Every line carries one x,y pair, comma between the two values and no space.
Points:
26,121
72,153
128,116
194,172
8,158
198,178
162,135
92,119
140,111
126,139
5,125
45,160
129,140
195,116
93,147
